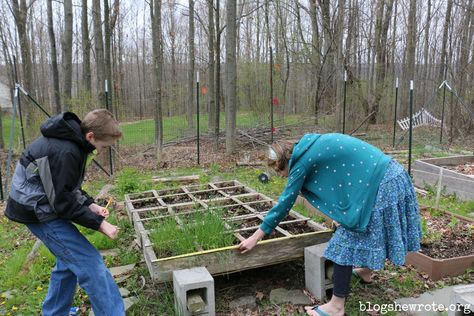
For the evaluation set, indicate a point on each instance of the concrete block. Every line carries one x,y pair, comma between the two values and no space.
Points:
317,270
188,286
462,297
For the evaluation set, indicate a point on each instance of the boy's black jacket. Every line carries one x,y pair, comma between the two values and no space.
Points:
47,181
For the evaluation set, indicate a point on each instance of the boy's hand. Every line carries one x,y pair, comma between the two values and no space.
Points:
108,229
99,210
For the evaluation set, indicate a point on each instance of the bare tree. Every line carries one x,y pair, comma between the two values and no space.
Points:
217,92
67,51
409,67
231,77
211,64
443,61
86,49
190,103
107,47
20,13
99,49
155,10
384,14
54,61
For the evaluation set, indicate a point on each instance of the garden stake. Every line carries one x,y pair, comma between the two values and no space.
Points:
197,116
107,107
411,128
438,191
395,113
344,105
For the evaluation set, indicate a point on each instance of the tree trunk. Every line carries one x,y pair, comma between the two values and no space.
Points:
231,77
157,43
315,59
443,62
20,12
426,65
382,23
99,50
107,50
67,52
410,56
210,71
86,50
217,77
54,61
190,103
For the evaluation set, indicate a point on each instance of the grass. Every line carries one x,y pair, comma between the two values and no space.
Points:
447,202
27,291
143,132
204,230
305,212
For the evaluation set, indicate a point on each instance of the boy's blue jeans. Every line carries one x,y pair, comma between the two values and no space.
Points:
77,261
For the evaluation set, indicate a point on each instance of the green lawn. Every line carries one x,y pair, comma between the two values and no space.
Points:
6,130
143,132
174,127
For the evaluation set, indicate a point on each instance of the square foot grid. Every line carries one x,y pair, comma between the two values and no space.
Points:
241,210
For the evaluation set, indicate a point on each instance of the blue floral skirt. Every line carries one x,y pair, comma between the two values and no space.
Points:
393,230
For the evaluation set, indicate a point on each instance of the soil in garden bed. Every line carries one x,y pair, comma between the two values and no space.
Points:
224,184
235,191
207,195
137,196
274,234
467,168
446,236
176,199
261,207
153,213
170,191
250,198
145,203
297,228
235,211
247,222
222,202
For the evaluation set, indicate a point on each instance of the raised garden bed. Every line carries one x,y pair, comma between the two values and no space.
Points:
454,179
206,231
447,247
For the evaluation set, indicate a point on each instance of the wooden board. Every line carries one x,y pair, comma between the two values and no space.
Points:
426,171
230,260
154,205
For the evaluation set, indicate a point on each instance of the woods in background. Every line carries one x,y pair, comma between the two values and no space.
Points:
149,53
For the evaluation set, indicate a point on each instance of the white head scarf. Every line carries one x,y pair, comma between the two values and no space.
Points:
272,154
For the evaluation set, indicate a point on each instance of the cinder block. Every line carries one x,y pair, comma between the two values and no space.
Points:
462,297
317,271
189,286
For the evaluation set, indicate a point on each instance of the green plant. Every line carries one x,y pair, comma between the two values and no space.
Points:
305,212
201,229
128,181
453,222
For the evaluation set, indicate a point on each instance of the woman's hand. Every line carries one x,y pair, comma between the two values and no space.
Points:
99,210
250,242
108,229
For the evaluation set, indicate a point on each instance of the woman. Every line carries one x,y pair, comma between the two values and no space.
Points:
354,183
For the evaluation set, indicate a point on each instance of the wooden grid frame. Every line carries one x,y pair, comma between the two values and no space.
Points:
285,245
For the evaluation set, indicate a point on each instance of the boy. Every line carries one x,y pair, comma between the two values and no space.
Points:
46,196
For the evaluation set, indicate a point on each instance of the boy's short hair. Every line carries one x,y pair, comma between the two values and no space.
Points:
102,123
